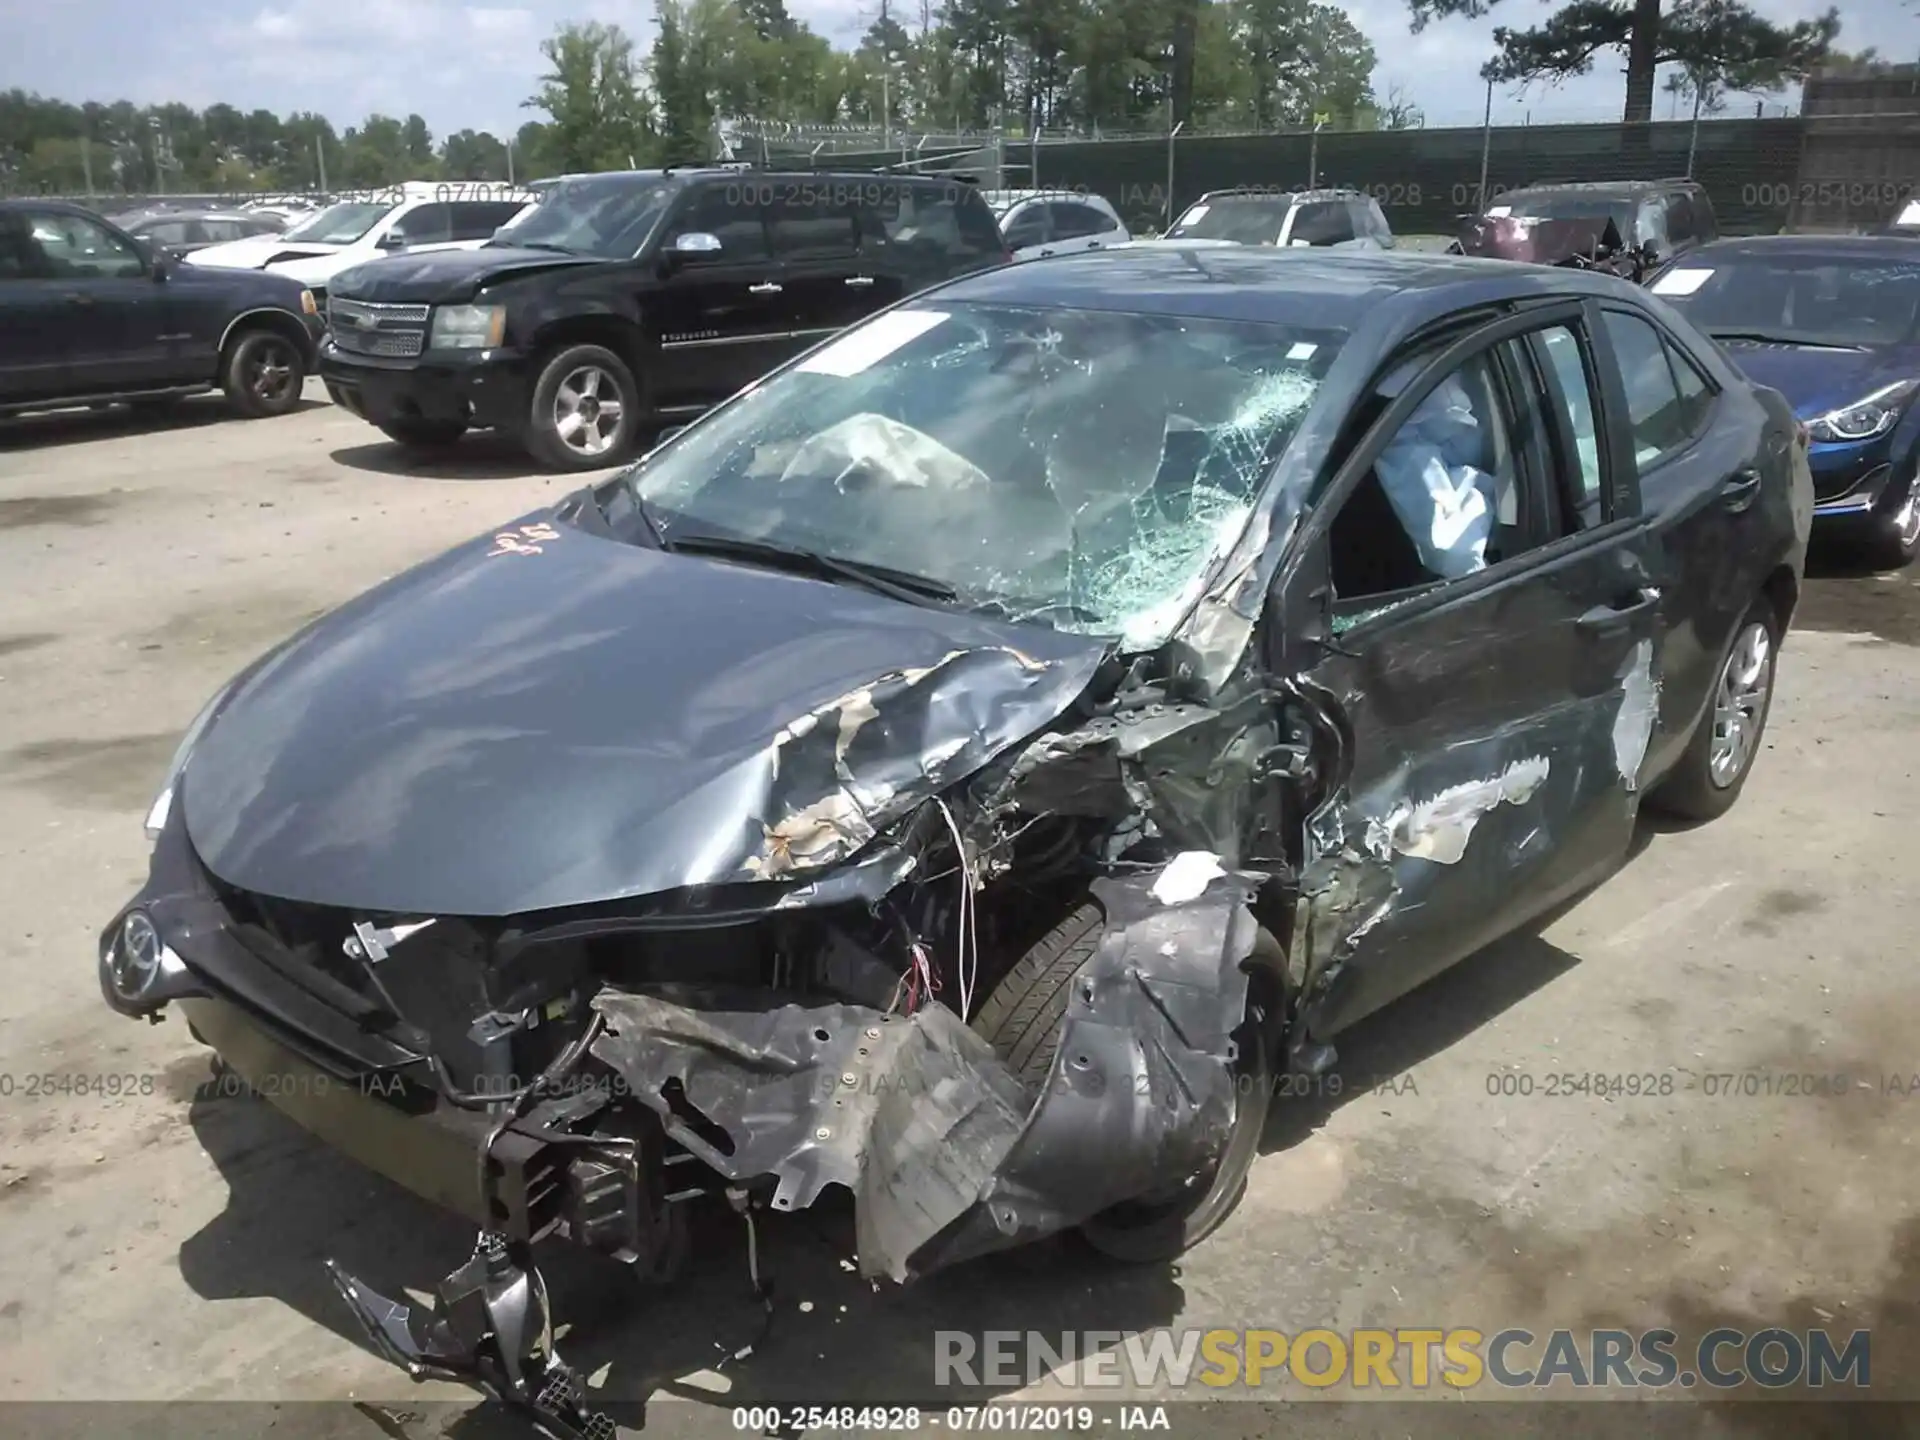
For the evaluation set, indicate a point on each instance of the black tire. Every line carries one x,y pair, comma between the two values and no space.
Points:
419,434
263,374
1023,1019
1023,1015
569,370
1702,787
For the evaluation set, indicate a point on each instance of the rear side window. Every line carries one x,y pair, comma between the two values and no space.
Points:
812,227
1323,222
478,219
1664,416
941,225
169,232
1073,220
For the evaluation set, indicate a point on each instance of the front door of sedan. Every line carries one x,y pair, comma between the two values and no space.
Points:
1489,667
719,316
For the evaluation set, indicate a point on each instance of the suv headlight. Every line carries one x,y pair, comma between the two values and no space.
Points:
1866,418
162,805
468,327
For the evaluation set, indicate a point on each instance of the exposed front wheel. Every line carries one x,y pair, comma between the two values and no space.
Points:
586,409
1709,777
264,374
418,434
1023,1019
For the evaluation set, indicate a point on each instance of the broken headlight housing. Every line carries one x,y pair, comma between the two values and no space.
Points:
1865,419
162,806
468,327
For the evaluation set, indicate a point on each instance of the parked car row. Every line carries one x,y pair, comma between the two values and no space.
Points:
578,314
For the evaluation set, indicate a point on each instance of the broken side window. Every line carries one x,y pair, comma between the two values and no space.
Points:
1466,481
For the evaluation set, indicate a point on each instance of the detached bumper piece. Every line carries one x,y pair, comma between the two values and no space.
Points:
490,1326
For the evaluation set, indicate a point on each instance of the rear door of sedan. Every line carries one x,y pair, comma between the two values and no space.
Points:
1495,709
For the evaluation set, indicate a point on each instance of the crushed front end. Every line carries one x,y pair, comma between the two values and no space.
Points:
588,1075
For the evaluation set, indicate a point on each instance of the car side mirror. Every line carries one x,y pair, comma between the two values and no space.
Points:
392,240
693,245
159,262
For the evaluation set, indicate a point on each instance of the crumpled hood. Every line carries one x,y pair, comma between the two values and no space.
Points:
1815,380
572,720
256,252
443,277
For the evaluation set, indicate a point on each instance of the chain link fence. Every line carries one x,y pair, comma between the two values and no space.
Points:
1766,174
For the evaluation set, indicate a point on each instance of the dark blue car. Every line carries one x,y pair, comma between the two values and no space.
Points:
1833,323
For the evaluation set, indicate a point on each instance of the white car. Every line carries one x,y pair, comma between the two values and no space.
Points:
1346,219
414,217
1039,223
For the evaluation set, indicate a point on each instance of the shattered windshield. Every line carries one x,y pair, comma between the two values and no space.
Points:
339,224
608,217
1076,468
1799,299
1249,222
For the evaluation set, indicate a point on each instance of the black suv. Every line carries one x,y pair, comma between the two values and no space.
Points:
628,299
89,315
1628,226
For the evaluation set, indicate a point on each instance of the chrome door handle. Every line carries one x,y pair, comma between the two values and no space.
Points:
861,280
765,287
1046,251
1093,244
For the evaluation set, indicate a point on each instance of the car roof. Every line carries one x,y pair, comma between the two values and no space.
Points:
1840,247
197,215
1602,187
1261,282
1287,197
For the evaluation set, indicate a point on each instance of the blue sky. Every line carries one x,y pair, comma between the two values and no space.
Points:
467,63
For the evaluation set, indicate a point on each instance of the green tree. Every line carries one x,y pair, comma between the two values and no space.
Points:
473,155
417,140
1718,40
591,96
374,153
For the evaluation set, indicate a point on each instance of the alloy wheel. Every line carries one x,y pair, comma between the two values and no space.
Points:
587,410
1740,704
270,372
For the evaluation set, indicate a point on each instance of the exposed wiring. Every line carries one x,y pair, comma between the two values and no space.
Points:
968,963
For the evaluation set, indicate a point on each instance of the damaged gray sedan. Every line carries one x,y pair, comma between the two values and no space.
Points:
976,764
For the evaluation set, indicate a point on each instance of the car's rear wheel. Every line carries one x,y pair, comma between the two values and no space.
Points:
420,434
586,409
1710,775
1023,1019
264,373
